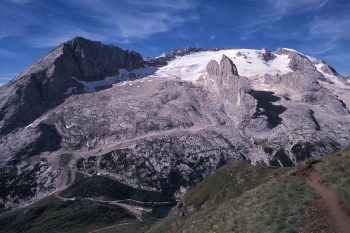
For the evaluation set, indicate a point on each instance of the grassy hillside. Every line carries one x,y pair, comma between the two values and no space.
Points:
335,174
59,216
242,198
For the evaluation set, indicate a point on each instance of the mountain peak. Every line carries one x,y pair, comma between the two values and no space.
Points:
45,84
227,67
83,43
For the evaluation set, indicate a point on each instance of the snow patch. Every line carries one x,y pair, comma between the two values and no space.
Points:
123,75
249,63
334,79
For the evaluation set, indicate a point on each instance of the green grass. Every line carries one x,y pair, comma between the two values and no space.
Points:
228,182
59,216
273,207
335,173
109,189
242,198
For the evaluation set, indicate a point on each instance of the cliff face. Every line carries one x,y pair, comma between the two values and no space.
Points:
44,85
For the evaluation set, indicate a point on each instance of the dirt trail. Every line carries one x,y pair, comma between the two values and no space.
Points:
86,152
110,227
340,219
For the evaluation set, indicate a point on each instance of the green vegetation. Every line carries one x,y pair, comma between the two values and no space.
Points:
335,173
109,189
229,182
242,198
59,216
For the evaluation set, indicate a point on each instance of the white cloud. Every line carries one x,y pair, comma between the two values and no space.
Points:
284,7
273,11
139,19
4,80
7,53
19,1
95,19
334,28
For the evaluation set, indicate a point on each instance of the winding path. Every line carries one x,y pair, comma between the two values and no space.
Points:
110,227
340,218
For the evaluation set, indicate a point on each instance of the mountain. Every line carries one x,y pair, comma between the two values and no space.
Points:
44,85
104,119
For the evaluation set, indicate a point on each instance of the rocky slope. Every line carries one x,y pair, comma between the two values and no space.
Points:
163,125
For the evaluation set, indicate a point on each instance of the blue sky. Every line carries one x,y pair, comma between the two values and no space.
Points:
30,28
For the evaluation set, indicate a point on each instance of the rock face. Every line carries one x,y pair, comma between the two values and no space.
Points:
44,85
157,133
231,88
267,55
298,62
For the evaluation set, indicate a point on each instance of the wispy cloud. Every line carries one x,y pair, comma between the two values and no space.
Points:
7,53
140,19
271,12
4,78
45,26
334,28
286,7
19,1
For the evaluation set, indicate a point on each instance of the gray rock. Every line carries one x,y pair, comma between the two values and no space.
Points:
43,85
227,67
231,87
328,69
298,62
267,55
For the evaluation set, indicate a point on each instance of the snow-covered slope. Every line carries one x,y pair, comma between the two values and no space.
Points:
248,61
251,63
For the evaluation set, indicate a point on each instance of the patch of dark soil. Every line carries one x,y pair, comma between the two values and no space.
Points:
305,170
318,218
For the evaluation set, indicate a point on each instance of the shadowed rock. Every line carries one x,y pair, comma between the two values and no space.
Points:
267,55
227,68
266,107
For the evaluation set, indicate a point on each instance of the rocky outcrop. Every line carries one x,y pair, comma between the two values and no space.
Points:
164,58
298,62
267,55
95,61
307,89
328,69
26,183
44,85
230,86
